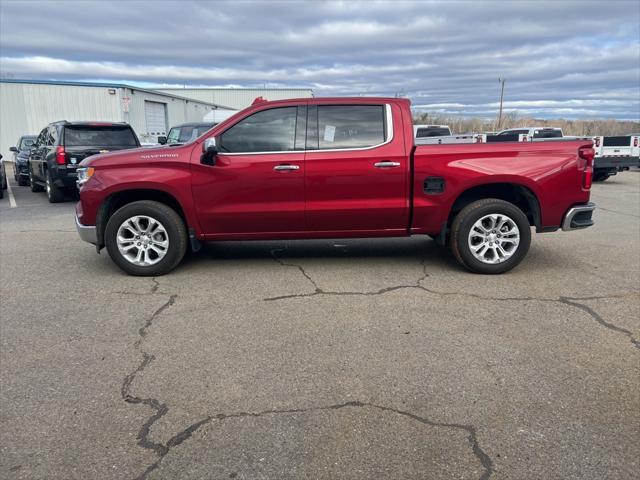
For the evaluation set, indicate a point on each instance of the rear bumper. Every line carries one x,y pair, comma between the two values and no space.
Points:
579,217
88,233
615,162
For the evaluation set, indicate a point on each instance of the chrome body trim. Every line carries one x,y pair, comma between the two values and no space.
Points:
88,233
571,214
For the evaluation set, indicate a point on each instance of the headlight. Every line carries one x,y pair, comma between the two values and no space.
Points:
84,174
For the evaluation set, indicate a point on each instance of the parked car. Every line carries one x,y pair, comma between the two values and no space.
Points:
328,168
615,154
3,178
61,146
21,159
185,132
422,131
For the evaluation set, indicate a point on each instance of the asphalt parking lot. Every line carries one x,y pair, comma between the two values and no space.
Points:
352,359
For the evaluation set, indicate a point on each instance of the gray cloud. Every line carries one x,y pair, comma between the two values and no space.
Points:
561,58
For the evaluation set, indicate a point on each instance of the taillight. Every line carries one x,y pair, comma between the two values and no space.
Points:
597,141
61,157
479,139
585,163
635,141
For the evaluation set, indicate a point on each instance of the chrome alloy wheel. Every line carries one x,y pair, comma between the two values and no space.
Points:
142,240
48,185
494,238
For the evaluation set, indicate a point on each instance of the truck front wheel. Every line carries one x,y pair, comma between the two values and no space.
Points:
146,238
490,236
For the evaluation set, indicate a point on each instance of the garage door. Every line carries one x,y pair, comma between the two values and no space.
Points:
155,114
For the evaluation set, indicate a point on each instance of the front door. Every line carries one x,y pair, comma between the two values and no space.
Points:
256,187
357,171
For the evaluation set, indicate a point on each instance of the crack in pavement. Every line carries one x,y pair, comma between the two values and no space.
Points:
472,435
570,301
153,290
160,409
599,319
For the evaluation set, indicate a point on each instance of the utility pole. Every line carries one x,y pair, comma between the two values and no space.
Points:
501,80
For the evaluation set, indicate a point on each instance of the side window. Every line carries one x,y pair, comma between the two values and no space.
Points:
350,126
272,130
53,136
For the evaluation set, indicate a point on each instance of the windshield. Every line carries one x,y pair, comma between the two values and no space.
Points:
99,136
187,133
26,142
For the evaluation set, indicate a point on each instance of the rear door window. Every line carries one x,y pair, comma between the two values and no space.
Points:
99,136
350,126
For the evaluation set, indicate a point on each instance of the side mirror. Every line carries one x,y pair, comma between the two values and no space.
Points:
209,152
162,140
13,149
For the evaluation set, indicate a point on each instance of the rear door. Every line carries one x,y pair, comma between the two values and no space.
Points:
256,187
356,170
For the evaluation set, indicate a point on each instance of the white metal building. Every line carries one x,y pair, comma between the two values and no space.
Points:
27,106
238,98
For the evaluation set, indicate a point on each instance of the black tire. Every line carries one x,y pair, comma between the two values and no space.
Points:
463,223
23,182
170,220
600,176
54,194
35,187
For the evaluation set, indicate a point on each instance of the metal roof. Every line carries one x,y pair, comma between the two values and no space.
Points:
110,85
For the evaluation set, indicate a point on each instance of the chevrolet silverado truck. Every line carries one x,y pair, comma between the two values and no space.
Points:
329,168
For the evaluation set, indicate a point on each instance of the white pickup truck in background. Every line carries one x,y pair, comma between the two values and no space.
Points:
615,154
533,132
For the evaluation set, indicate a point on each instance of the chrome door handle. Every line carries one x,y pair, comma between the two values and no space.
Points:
281,168
386,164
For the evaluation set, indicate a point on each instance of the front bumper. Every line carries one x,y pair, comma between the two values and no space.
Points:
579,217
88,233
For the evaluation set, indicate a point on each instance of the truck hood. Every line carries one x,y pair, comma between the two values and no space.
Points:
132,155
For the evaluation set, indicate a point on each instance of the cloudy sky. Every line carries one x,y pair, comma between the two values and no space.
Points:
572,59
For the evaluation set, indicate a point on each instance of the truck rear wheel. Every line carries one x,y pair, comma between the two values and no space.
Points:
146,238
490,236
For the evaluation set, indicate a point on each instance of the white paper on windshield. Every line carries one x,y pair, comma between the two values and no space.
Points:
329,133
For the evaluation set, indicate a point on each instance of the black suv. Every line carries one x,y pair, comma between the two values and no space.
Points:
61,146
21,159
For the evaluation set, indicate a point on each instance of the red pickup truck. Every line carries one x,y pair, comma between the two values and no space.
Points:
330,168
